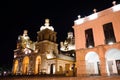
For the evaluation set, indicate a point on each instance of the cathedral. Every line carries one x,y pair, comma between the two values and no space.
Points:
43,56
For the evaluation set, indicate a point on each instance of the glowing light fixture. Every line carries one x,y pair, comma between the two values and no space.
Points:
15,56
27,51
5,73
110,43
36,51
90,46
73,54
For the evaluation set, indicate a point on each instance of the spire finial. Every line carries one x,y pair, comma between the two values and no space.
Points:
79,16
25,32
114,3
47,22
95,10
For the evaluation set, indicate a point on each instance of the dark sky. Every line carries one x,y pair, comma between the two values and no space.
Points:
15,16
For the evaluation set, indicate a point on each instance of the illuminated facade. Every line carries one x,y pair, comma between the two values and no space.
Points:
96,44
69,43
42,56
97,41
68,46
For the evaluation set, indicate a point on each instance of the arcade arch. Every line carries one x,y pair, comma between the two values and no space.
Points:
37,64
92,63
113,61
25,65
15,67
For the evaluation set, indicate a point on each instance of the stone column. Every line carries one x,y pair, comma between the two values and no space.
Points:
56,66
101,51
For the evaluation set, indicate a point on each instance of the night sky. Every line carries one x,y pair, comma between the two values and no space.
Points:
15,16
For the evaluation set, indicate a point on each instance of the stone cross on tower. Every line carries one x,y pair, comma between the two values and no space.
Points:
47,25
47,22
114,3
25,33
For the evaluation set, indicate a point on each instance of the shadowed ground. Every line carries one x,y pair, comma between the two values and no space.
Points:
59,78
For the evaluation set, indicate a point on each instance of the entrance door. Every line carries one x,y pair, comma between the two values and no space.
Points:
118,66
112,58
110,63
91,69
92,63
98,64
51,69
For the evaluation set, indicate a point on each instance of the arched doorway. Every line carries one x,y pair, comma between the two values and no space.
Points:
113,61
52,69
15,67
92,63
61,69
25,65
37,64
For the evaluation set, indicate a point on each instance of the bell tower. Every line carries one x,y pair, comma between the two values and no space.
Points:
46,45
46,32
46,39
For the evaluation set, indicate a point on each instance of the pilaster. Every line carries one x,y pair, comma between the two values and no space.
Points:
80,63
103,70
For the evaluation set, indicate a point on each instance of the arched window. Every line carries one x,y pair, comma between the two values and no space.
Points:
37,64
15,67
25,65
